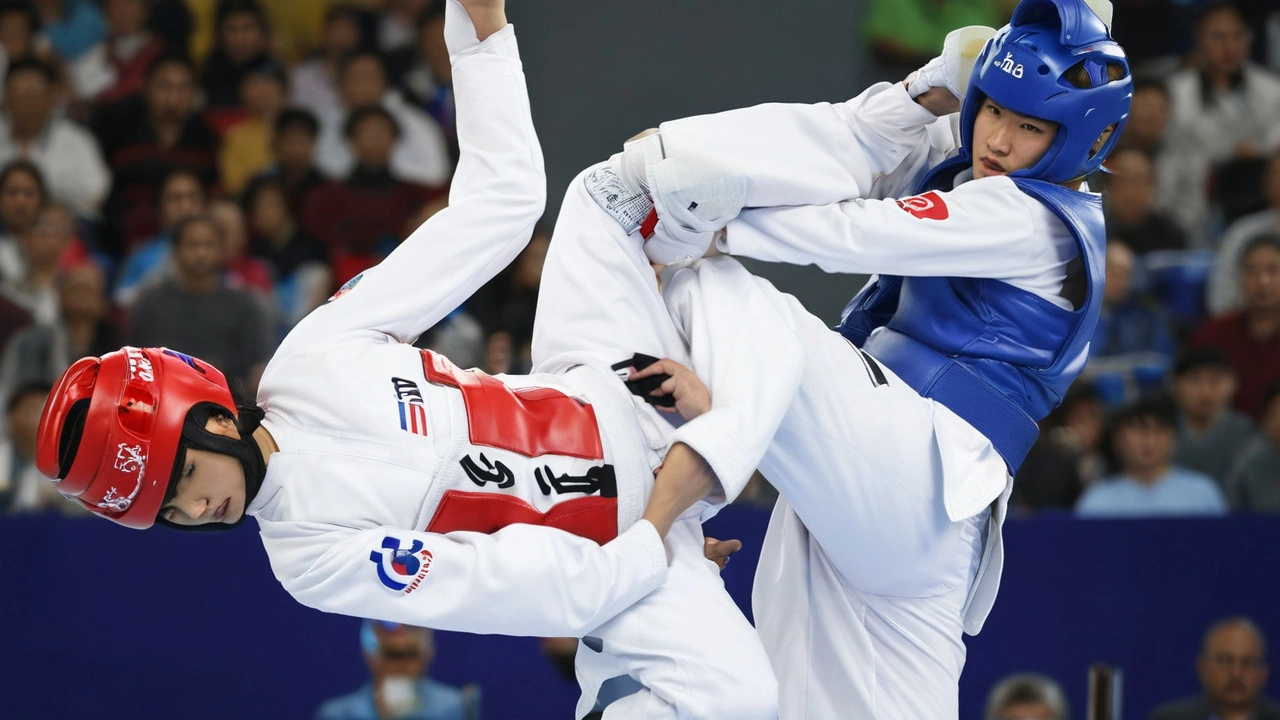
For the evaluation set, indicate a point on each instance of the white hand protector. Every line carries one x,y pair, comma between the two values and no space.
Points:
632,164
951,69
694,198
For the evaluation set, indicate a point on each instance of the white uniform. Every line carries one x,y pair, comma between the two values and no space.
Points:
411,491
885,546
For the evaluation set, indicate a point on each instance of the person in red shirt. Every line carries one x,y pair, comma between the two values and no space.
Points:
1251,336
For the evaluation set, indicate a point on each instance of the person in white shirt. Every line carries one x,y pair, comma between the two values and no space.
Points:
388,483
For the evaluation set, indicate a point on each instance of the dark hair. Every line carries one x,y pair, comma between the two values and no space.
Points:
1157,408
1078,76
1271,394
1265,240
26,166
181,226
25,389
250,196
168,58
268,68
434,11
342,10
227,8
24,8
1141,83
1202,357
296,117
29,63
1214,8
175,172
361,114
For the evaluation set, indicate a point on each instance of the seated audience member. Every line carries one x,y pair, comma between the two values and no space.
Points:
293,147
423,73
22,487
68,155
1225,293
420,153
1147,482
313,84
1233,671
1132,330
22,197
1027,696
196,313
18,26
1210,434
1223,109
361,219
42,352
247,145
117,67
244,271
242,44
181,195
71,26
1253,484
397,23
1130,212
399,657
144,138
1251,336
301,278
42,251
1148,122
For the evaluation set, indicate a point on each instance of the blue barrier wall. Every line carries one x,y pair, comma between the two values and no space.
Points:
100,622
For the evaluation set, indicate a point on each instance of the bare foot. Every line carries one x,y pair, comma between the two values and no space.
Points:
488,16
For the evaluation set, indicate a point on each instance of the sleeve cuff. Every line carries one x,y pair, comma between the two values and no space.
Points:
720,447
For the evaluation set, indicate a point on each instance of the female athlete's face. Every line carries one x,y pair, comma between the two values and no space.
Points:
1005,141
210,484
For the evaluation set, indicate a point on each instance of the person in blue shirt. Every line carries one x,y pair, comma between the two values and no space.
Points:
1144,436
399,657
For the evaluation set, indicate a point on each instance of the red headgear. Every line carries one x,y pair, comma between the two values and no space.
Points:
138,401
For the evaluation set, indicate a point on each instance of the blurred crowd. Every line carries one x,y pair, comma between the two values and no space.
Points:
201,174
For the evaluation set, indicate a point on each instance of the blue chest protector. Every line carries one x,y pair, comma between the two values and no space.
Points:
997,356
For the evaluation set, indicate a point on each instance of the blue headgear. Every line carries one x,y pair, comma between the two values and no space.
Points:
1022,68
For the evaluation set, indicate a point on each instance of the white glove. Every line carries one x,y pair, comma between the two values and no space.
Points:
694,198
632,164
952,68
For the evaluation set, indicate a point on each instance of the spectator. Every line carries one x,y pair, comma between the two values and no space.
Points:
424,74
42,352
181,195
1068,456
1224,293
363,218
42,248
399,657
72,26
243,271
1251,336
1131,217
398,23
1210,434
242,44
1233,670
293,146
906,34
1221,110
420,154
144,139
1148,118
247,145
302,279
68,155
22,195
314,83
1254,482
196,313
1148,484
1027,696
1132,330
18,24
117,67
22,487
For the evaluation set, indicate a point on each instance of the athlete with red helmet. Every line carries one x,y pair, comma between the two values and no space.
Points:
388,483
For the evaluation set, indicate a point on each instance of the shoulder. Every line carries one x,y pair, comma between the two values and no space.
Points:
1262,77
352,706
1186,709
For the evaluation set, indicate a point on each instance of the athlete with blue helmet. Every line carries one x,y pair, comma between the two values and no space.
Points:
896,458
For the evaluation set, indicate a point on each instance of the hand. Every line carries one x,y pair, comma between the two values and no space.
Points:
684,479
952,68
718,551
691,394
488,16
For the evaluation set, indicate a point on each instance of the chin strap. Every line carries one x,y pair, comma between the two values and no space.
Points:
245,449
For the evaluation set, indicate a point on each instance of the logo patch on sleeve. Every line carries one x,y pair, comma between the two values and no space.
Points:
928,206
401,568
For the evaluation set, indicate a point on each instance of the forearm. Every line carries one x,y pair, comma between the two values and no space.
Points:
684,479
